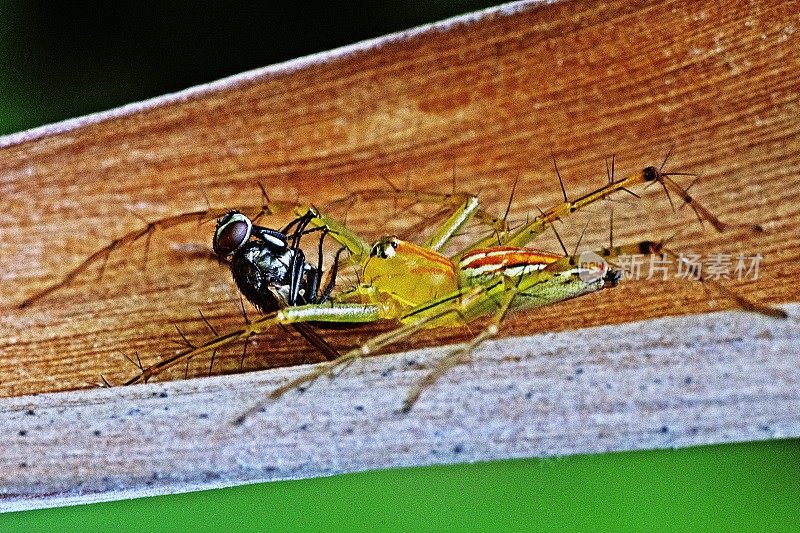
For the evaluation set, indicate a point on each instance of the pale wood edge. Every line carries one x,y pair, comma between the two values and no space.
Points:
663,383
255,75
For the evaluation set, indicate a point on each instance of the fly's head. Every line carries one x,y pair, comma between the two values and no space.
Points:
233,230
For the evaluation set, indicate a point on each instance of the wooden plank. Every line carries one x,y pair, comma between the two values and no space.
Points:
669,382
487,97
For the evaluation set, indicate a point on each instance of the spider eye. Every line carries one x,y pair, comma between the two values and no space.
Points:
233,230
384,247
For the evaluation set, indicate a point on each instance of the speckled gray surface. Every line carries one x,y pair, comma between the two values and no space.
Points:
671,382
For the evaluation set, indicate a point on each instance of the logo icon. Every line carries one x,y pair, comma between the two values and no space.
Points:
591,267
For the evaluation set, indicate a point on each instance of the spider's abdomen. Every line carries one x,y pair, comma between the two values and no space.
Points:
503,261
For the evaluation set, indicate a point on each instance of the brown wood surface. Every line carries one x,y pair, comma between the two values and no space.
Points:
487,101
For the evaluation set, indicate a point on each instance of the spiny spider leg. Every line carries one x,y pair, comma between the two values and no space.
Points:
132,237
745,303
462,299
330,312
460,355
538,225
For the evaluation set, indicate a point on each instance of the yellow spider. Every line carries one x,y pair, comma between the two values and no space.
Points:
417,285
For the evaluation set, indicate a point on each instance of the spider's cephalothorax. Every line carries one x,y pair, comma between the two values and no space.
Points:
268,265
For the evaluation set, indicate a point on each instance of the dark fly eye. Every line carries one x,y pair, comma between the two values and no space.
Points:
233,230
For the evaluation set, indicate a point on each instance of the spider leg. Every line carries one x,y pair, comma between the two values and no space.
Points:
744,303
533,228
358,248
467,208
347,313
146,231
447,200
427,316
462,354
614,253
454,222
329,353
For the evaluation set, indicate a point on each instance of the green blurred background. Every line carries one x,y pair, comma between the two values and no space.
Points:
59,60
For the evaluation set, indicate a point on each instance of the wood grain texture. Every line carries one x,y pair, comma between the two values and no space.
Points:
487,98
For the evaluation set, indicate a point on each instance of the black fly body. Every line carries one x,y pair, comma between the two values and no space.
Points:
270,268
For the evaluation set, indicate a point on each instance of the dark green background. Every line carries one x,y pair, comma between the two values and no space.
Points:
59,61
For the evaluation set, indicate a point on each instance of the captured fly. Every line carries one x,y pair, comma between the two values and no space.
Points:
270,268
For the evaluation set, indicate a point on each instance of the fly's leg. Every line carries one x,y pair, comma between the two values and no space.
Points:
345,313
326,293
318,296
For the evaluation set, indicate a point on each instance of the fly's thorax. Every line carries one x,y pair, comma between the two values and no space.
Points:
274,263
263,274
410,273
